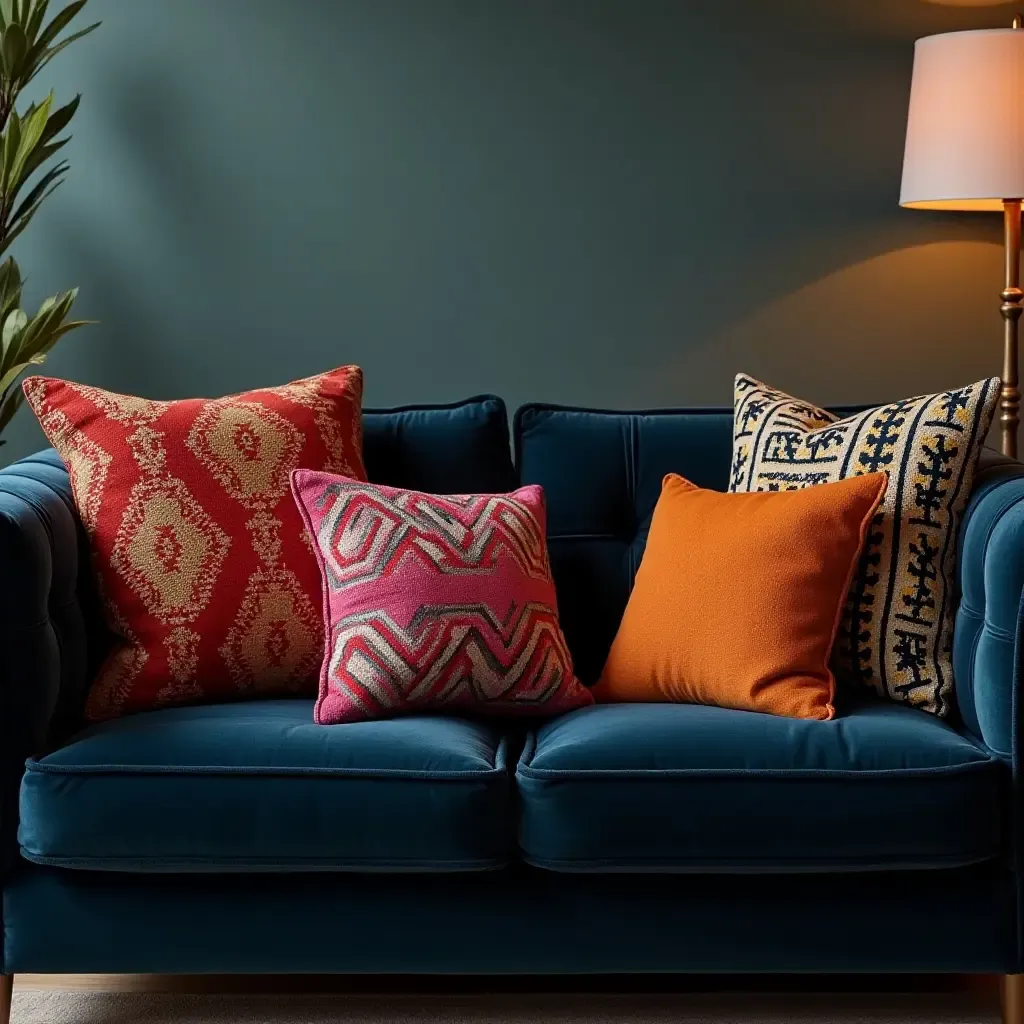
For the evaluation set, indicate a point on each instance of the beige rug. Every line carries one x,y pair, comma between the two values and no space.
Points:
35,1007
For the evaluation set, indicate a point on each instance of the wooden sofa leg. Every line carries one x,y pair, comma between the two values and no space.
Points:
1013,999
6,987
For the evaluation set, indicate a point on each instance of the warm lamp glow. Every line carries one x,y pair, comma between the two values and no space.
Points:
965,132
963,205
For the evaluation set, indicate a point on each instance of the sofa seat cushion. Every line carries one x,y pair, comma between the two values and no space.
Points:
682,787
257,786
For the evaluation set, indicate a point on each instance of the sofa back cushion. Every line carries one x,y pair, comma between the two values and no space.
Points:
462,448
602,474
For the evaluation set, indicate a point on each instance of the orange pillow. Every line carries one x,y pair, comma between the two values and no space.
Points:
738,597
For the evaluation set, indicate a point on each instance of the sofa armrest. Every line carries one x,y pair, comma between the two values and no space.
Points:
43,658
988,633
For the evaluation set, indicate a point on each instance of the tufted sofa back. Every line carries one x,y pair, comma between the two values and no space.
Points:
990,614
602,474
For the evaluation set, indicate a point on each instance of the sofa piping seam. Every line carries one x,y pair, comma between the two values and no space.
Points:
527,771
33,766
627,864
361,864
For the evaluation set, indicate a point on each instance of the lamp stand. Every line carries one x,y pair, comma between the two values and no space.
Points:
1012,296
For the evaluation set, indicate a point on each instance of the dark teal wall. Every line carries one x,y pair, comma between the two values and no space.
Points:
606,202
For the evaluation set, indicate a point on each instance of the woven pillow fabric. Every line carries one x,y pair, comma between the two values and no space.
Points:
204,567
435,603
897,628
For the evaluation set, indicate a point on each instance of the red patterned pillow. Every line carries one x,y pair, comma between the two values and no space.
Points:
204,565
435,603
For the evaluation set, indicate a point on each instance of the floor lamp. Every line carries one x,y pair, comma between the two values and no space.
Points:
965,151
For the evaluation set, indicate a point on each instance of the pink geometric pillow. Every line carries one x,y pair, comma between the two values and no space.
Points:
435,603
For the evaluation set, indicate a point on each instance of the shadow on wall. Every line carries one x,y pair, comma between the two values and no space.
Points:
914,320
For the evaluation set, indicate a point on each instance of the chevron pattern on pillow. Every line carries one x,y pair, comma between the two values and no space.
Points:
435,603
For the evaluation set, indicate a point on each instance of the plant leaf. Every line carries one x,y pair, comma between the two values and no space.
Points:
18,224
10,342
59,332
14,48
10,292
35,22
52,52
10,277
42,52
13,326
54,176
60,22
32,128
58,120
46,332
11,350
9,306
11,233
37,334
6,11
12,140
41,154
9,405
61,118
17,370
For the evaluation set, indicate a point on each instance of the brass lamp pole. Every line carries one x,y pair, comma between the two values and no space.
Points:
1009,396
965,151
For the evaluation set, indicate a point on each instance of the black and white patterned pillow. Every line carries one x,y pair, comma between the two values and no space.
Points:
897,629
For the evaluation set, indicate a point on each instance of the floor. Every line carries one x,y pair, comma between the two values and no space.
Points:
985,986
111,999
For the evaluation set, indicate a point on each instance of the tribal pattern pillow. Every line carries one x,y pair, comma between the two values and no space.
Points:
202,561
435,603
897,628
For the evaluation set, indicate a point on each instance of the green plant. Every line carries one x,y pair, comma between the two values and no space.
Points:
28,143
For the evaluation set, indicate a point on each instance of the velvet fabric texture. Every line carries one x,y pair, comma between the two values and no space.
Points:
434,603
516,921
738,597
201,557
458,448
256,786
989,622
685,787
897,629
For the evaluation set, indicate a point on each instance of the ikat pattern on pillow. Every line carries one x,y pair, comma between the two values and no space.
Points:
207,576
435,603
897,629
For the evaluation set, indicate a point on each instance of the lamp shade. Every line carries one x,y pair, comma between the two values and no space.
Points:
965,131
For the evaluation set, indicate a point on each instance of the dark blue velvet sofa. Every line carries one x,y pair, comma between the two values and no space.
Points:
631,838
